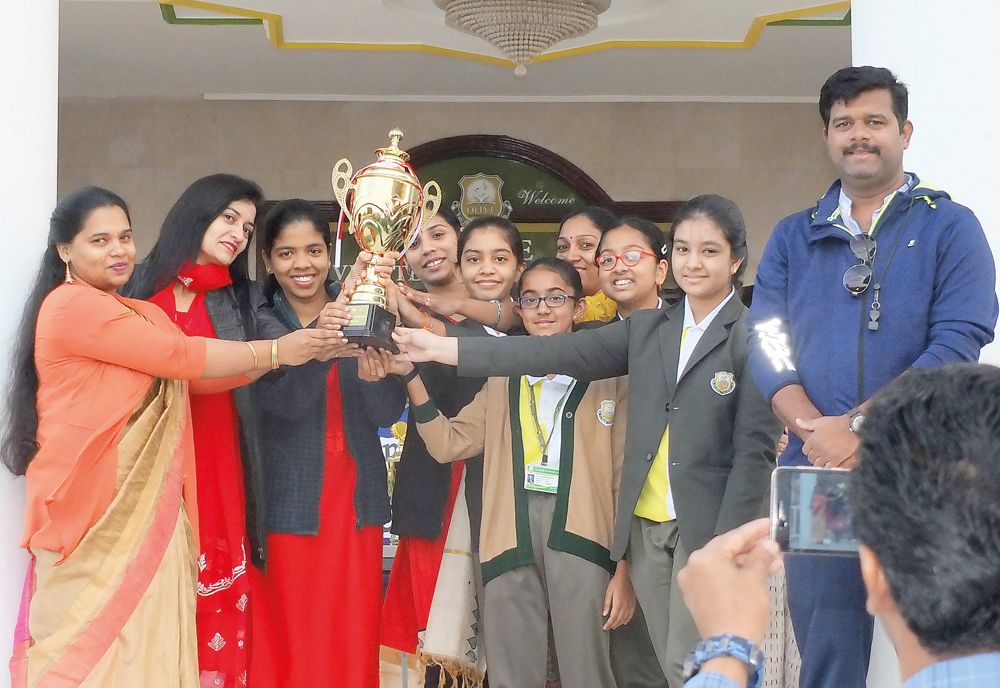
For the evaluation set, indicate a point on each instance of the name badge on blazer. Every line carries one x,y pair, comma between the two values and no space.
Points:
723,383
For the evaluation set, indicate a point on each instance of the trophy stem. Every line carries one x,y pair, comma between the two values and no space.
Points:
369,290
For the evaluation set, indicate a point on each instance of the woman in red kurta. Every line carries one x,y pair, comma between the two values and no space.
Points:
317,610
197,273
223,587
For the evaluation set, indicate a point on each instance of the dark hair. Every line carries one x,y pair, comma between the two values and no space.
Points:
282,215
19,443
725,215
182,233
562,268
184,229
509,230
654,236
451,218
602,218
847,84
923,496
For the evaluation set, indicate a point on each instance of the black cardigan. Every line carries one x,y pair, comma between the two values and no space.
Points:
228,323
292,407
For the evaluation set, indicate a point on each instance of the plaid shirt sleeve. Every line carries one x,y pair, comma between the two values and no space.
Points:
711,680
974,671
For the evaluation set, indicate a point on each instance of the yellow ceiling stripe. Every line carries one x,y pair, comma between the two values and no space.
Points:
749,41
276,35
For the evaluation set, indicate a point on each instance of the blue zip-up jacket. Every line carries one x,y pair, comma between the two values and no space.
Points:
938,300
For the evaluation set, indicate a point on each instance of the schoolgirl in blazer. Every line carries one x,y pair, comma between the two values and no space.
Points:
700,439
553,448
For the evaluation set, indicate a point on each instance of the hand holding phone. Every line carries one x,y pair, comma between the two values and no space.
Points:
810,513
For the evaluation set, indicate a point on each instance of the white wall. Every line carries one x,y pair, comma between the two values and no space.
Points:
949,56
29,53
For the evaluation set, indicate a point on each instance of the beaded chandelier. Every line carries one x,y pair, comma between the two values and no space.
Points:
522,29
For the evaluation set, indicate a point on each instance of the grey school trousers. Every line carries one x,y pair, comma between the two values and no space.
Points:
518,605
655,556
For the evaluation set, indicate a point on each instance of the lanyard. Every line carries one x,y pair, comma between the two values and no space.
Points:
543,442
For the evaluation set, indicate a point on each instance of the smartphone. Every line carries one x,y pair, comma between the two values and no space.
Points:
810,513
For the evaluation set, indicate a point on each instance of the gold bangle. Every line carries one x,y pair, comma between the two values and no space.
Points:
427,322
256,362
274,354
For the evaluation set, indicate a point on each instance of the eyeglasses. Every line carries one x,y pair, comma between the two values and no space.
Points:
858,277
552,301
629,259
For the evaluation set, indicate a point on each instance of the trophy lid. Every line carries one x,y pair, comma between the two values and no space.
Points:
393,153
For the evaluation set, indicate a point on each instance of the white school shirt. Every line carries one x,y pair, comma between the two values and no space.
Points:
688,343
694,332
552,391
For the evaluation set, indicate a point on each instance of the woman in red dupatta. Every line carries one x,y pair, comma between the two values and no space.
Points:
197,273
98,422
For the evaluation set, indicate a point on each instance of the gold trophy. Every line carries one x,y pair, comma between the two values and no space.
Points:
386,208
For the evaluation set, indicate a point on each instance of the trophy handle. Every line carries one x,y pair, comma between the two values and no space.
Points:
342,178
432,201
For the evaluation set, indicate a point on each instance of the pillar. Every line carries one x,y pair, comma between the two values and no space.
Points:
29,93
948,55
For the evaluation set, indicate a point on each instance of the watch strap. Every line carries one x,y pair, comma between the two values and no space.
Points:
728,645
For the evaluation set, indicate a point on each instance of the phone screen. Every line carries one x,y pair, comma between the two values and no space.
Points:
809,511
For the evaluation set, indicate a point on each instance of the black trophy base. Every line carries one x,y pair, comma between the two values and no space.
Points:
371,325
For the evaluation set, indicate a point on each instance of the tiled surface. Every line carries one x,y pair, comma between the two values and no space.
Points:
770,159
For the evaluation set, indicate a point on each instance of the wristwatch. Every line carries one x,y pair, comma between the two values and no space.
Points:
727,645
856,419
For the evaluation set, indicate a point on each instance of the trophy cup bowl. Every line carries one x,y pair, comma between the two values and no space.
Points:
386,207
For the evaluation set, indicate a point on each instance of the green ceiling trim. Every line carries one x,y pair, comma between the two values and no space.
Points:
170,16
846,21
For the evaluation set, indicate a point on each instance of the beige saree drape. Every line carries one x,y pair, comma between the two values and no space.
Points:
120,609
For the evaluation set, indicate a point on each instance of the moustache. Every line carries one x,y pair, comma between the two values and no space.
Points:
854,147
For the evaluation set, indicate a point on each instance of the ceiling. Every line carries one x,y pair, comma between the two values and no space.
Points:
642,50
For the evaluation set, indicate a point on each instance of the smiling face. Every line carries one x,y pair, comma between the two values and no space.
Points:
228,235
865,142
102,254
702,261
577,244
434,253
637,287
546,320
300,261
488,266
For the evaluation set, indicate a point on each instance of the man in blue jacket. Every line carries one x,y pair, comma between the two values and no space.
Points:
883,274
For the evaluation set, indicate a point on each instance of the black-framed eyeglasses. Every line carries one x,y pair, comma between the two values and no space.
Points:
631,258
552,301
858,277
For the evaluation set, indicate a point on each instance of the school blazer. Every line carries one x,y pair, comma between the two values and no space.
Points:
590,462
723,435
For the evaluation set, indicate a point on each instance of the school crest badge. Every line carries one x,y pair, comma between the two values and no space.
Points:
606,412
723,383
481,195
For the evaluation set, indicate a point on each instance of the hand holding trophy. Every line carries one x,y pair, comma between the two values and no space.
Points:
386,207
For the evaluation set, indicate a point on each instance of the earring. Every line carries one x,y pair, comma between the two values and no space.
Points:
69,275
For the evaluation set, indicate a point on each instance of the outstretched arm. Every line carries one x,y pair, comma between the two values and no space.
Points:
499,316
586,355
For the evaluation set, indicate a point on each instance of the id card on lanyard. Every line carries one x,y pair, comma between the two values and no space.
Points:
539,476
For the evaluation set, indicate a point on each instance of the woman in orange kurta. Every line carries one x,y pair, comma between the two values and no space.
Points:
98,422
